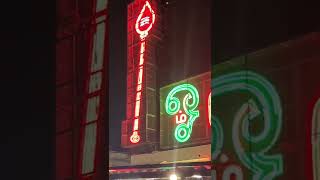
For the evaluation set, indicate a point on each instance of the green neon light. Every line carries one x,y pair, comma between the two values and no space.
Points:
190,103
217,142
265,102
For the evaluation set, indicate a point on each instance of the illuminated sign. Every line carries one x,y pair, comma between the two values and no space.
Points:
143,25
184,112
138,129
183,130
145,20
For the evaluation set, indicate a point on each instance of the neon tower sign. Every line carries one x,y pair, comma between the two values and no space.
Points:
143,25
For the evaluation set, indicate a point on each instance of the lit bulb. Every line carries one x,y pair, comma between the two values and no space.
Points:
173,177
197,176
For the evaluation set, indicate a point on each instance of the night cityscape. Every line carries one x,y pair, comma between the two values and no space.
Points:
161,89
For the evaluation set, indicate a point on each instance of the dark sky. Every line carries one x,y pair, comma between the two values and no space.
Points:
186,46
117,71
242,26
27,90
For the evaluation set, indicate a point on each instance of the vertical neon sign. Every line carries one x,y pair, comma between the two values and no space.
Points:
143,25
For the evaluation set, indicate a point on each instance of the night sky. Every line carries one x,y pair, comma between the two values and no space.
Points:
244,26
117,71
28,91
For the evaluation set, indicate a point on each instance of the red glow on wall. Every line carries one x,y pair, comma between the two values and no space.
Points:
209,108
143,25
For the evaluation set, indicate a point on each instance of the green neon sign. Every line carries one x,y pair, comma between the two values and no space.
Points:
264,103
190,103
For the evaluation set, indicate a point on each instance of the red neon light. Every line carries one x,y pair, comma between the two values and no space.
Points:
143,25
141,59
136,124
138,96
143,47
137,109
145,20
135,137
139,87
209,108
140,75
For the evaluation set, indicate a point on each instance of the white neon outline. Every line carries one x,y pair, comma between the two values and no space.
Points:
144,33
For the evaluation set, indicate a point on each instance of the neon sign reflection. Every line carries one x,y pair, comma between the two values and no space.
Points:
264,103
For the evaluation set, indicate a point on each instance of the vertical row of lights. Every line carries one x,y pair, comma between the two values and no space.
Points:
143,25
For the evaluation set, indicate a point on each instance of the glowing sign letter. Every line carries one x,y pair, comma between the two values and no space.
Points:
181,118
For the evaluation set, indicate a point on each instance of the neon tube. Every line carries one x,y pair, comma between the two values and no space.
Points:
183,131
143,26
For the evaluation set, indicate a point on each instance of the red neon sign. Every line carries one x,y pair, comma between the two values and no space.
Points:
209,108
145,20
143,25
